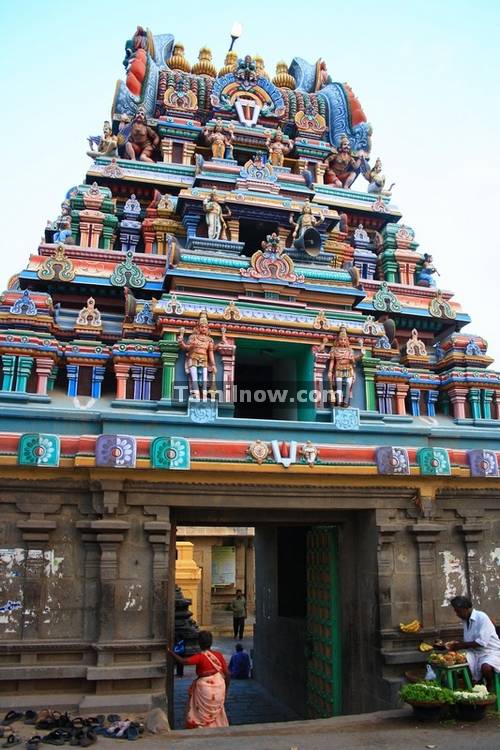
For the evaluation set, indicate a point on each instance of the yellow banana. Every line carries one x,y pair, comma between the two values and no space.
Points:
411,627
425,647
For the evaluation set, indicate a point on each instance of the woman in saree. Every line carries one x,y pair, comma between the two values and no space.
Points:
208,691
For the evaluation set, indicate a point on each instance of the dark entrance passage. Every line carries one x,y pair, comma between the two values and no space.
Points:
297,636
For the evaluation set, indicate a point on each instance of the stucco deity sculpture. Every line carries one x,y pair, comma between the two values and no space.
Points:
426,273
220,139
200,359
343,165
306,221
376,180
341,370
143,140
107,144
215,216
278,148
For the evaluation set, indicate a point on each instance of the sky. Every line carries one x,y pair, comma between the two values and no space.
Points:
427,74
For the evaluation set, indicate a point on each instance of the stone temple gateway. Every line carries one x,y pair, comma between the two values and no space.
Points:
221,328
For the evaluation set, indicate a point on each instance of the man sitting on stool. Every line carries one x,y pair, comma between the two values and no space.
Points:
480,640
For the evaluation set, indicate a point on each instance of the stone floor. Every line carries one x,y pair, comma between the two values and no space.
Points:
247,701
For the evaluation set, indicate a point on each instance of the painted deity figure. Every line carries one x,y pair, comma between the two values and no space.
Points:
306,220
215,216
341,370
107,144
343,165
376,180
221,140
200,359
426,273
142,141
277,148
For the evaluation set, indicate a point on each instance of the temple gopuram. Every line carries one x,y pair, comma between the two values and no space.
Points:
229,324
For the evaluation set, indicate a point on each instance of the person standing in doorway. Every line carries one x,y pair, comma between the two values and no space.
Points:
239,608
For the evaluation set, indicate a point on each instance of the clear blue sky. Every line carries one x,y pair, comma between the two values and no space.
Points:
427,74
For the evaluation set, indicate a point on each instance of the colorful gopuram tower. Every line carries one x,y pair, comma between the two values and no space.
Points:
220,329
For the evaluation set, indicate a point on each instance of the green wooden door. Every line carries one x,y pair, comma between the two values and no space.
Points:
324,680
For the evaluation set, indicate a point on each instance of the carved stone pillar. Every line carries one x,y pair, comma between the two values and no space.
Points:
187,153
167,147
24,367
426,535
250,575
401,391
386,536
110,533
9,366
320,361
43,371
97,378
240,563
457,398
159,537
228,356
473,532
90,228
320,171
233,226
284,233
122,370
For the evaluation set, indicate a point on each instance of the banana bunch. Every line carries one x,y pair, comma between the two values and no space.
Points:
424,647
412,627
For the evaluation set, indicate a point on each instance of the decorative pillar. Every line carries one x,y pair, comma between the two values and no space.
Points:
496,405
24,365
432,397
457,398
369,368
475,405
169,352
149,374
239,562
233,226
303,164
52,377
136,371
188,575
159,537
43,371
122,372
407,261
9,366
401,391
380,389
227,350
191,222
321,358
320,171
148,234
110,533
108,231
284,233
250,575
73,373
415,401
187,153
91,226
97,378
167,147
426,535
473,535
129,235
486,398
385,558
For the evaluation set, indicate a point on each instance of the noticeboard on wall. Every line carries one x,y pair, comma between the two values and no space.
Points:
223,566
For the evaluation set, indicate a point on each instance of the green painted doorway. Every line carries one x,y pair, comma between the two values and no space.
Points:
324,657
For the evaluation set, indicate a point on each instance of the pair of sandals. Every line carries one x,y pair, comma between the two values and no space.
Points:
10,717
123,730
12,739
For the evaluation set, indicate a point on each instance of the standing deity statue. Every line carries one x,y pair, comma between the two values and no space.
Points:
343,165
200,359
341,370
142,141
215,216
220,140
278,148
376,180
107,144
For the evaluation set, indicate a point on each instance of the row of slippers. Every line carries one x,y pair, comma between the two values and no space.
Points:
48,719
122,730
